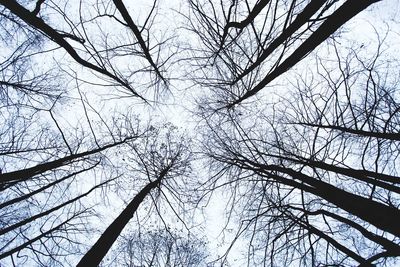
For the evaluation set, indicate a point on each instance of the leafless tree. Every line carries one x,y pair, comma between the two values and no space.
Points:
246,45
313,181
160,160
317,177
86,36
50,164
159,247
35,198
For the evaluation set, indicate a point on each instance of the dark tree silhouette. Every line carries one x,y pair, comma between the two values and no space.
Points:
291,117
159,247
162,161
52,164
233,55
321,171
80,46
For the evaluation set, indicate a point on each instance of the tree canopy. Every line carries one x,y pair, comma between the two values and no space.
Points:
126,125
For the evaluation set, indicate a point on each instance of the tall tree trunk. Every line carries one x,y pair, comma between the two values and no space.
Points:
343,14
27,173
41,189
95,255
301,19
384,217
47,212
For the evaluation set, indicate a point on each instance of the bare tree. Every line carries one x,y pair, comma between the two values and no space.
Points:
159,247
75,36
317,176
313,181
34,199
245,45
50,163
161,160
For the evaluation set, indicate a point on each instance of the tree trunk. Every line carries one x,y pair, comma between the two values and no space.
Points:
95,255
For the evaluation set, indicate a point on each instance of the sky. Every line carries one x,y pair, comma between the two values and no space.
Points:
177,103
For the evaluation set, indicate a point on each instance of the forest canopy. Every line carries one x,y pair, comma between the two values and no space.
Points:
199,133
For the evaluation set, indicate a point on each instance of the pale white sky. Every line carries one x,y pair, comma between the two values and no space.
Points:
179,103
